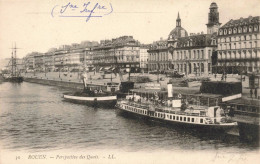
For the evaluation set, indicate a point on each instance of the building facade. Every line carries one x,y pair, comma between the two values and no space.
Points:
122,52
158,56
239,46
192,54
144,57
187,54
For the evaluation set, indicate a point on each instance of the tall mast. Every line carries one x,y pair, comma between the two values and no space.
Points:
15,59
12,61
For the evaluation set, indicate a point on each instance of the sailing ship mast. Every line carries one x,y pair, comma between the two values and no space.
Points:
13,60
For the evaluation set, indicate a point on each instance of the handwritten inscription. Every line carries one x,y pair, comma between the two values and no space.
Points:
229,157
86,10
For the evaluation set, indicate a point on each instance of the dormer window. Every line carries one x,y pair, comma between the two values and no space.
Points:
255,28
230,31
245,29
213,42
239,29
220,32
235,30
225,31
250,29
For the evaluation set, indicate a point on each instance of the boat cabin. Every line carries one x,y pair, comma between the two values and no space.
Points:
106,87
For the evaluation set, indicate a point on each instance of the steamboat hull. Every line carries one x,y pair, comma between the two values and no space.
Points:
105,102
185,125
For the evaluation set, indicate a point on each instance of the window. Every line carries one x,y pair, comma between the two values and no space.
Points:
225,31
173,117
239,29
188,119
230,31
202,54
250,29
192,119
184,118
220,32
180,118
245,29
201,120
177,118
235,30
170,116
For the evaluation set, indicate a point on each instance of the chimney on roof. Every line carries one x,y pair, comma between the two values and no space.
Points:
250,18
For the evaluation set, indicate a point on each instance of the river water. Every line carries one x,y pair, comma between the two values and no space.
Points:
34,117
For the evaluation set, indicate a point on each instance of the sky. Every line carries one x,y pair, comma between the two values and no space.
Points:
33,26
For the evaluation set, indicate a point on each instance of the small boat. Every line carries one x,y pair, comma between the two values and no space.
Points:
95,100
92,95
209,118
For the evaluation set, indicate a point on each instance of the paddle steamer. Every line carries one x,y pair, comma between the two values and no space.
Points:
174,111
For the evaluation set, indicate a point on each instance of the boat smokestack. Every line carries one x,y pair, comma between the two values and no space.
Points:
169,86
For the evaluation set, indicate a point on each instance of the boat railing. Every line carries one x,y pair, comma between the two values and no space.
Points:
159,108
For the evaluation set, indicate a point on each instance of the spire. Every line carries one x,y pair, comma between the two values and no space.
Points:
178,21
178,18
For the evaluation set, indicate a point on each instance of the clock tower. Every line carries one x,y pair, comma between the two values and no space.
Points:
213,19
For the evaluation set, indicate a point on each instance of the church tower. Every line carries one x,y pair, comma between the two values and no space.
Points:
213,19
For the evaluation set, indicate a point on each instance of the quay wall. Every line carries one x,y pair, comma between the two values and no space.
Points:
67,84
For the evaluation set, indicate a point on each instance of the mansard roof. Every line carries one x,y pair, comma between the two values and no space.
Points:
242,22
161,44
202,40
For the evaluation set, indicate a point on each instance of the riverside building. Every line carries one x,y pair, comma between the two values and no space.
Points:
239,46
122,52
188,54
